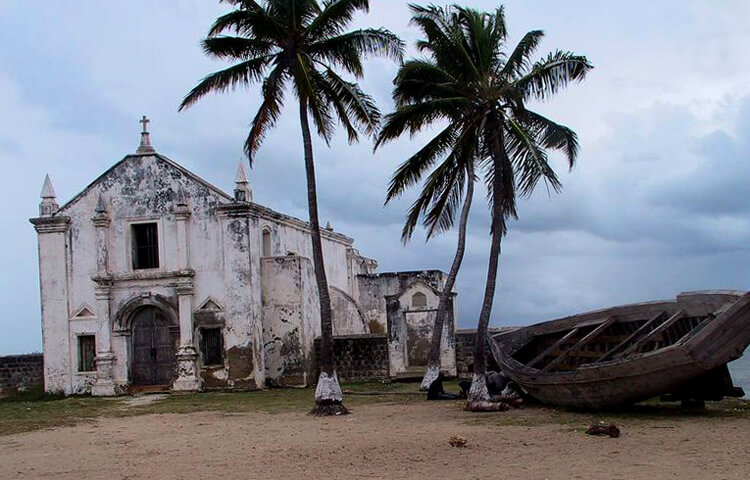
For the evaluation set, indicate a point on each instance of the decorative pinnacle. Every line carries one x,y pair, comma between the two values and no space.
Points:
181,199
242,190
48,206
48,191
241,174
100,205
145,146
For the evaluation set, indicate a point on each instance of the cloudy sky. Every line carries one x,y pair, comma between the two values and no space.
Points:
656,205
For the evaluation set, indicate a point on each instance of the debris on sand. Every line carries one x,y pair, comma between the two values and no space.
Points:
602,428
458,441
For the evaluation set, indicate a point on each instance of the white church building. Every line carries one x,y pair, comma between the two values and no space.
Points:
151,277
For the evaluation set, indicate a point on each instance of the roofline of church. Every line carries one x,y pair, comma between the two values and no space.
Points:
262,210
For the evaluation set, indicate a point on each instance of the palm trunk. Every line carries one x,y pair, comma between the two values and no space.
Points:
446,300
478,392
328,395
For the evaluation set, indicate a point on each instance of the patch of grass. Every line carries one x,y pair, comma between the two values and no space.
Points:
273,401
19,415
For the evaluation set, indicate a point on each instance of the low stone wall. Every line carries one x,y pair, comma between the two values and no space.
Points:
465,341
358,357
21,371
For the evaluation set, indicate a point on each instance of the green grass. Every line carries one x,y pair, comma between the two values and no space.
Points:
33,410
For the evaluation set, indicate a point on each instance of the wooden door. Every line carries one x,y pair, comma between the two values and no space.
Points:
153,349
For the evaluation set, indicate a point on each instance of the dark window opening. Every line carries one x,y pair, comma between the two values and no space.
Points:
212,347
266,243
86,353
145,246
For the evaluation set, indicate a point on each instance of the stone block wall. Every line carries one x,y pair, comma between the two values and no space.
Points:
21,371
465,340
358,357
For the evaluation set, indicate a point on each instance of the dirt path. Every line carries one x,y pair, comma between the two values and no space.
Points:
377,441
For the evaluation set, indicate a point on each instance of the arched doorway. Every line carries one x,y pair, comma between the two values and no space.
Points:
153,348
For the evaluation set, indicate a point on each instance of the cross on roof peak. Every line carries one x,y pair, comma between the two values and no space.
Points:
145,146
144,121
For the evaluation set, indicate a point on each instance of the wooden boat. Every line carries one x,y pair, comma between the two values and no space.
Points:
630,353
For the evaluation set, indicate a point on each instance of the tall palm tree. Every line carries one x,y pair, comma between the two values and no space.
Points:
442,192
301,44
478,88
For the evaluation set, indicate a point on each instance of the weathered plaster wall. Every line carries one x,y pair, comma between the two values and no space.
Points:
140,189
387,299
347,317
286,314
218,256
56,336
289,237
374,287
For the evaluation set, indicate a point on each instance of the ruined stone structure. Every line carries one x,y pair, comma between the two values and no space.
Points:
20,371
151,276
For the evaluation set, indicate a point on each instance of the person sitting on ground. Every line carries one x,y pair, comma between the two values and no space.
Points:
436,392
496,383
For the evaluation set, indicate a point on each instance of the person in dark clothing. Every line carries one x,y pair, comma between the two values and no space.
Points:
465,386
436,391
496,383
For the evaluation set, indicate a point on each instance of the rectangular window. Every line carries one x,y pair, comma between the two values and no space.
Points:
86,353
145,239
212,347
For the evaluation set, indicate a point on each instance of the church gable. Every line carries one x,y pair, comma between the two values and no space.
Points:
145,186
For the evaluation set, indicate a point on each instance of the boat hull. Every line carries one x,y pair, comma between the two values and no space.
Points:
637,377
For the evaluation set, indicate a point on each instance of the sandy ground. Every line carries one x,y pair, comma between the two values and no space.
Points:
377,441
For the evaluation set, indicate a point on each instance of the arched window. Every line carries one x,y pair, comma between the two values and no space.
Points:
266,243
419,300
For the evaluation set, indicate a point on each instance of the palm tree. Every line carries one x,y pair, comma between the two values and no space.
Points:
301,43
441,193
478,88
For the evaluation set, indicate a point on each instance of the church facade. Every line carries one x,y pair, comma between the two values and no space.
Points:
153,278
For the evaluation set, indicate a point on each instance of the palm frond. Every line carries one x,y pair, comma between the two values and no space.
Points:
519,61
335,16
529,159
243,73
348,50
241,48
420,80
350,98
555,136
269,111
411,171
413,118
553,73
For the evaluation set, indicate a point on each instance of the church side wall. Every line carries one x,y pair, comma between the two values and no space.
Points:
290,314
287,239
243,332
55,312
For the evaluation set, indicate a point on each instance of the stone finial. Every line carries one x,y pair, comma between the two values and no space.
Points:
242,190
101,207
101,217
329,227
48,206
181,200
145,146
